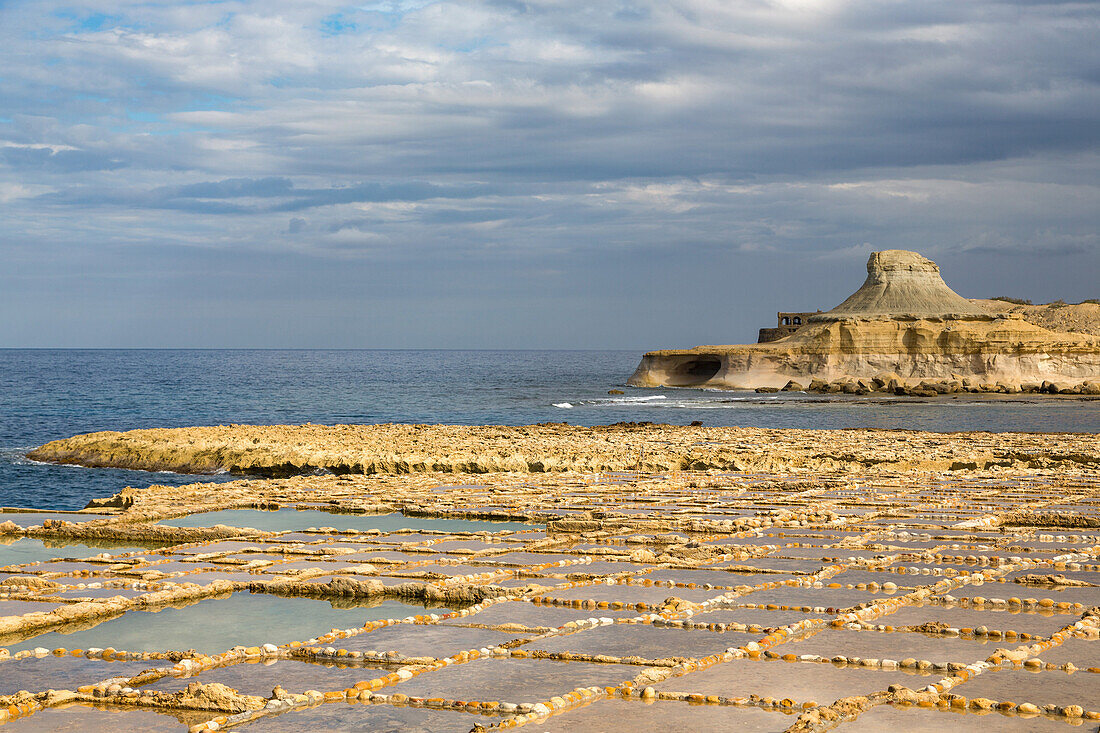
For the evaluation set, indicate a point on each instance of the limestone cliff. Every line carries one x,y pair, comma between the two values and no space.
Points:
905,322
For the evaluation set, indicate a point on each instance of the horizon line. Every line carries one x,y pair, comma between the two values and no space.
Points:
288,348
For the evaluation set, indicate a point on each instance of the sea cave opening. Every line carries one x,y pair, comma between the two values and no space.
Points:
696,370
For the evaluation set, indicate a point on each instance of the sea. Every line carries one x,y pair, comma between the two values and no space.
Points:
47,394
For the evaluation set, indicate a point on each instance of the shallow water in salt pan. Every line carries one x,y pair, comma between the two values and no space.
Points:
340,717
896,646
801,681
623,640
665,715
217,624
29,549
531,614
260,678
47,672
921,720
18,608
1039,688
82,718
1031,623
514,680
426,640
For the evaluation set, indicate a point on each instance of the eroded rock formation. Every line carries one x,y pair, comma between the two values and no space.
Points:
903,324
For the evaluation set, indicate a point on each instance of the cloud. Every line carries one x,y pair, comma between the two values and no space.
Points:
24,158
556,136
252,195
377,192
232,188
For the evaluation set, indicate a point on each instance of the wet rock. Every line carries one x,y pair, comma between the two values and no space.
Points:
1051,580
29,581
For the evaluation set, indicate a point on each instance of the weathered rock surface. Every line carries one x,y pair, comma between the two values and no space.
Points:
1064,317
284,450
1052,580
903,320
903,285
860,507
1069,520
215,696
461,593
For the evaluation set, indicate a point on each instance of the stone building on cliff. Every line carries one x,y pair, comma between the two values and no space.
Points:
786,324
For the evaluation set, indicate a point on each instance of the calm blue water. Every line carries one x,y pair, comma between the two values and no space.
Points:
48,394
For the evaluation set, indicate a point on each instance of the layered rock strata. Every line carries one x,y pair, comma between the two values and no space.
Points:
905,324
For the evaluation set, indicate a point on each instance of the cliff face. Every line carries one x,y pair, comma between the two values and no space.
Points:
998,350
904,321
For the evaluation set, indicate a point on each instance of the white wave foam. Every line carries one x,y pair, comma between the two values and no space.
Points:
563,405
18,457
624,401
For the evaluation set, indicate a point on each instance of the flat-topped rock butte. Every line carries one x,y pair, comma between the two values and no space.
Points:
902,327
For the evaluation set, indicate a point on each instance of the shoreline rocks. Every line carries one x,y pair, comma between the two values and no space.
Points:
894,385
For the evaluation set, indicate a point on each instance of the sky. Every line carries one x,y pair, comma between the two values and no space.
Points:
544,174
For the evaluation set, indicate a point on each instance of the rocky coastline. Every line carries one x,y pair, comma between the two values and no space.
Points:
817,578
904,325
288,450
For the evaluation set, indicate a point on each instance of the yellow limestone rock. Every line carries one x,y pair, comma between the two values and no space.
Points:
404,450
903,320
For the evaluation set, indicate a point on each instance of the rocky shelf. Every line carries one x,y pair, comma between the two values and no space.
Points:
284,450
953,582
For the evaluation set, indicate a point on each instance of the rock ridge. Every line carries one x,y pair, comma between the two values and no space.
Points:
282,450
